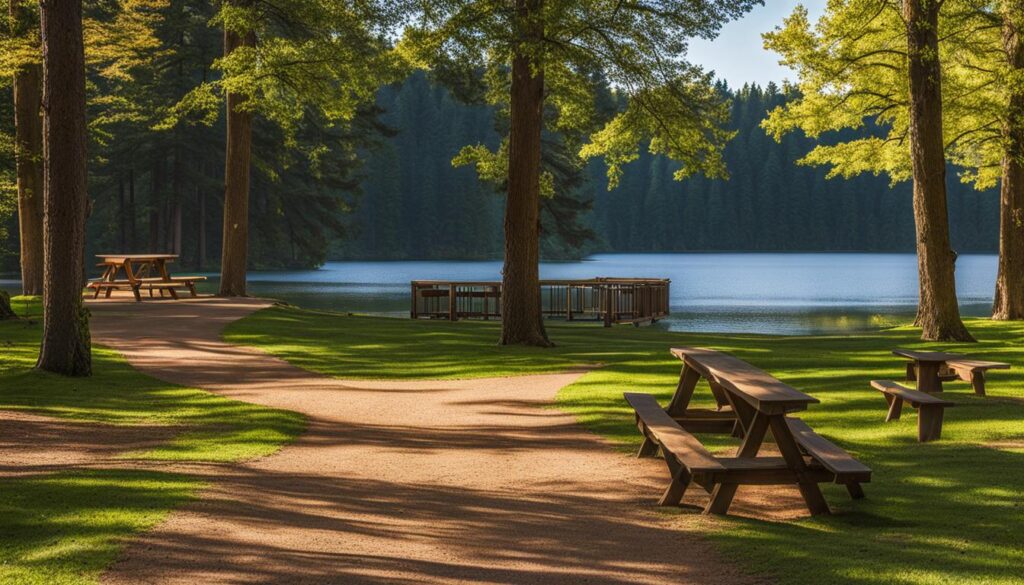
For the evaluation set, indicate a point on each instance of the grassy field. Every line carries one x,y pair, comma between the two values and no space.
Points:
944,512
67,527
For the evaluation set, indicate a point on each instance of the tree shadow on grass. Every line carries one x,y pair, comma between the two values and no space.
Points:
67,527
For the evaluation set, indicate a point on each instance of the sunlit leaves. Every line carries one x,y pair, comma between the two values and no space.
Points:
852,71
637,47
319,58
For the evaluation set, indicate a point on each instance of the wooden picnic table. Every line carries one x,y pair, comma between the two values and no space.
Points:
758,402
931,368
133,271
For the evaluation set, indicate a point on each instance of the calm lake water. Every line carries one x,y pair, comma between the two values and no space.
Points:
787,294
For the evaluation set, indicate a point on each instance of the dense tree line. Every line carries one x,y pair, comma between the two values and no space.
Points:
401,197
162,191
415,204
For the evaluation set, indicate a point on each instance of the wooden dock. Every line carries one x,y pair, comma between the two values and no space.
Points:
607,300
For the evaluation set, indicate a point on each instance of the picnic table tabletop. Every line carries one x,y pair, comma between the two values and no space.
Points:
118,258
926,356
760,389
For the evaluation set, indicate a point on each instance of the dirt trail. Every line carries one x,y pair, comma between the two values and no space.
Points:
398,481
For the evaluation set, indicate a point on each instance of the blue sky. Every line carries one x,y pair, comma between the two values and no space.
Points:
738,56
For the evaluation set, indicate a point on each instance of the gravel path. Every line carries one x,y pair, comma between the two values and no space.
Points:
398,481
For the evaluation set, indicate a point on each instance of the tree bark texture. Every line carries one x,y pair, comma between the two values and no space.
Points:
1009,297
65,346
237,159
28,140
938,313
521,318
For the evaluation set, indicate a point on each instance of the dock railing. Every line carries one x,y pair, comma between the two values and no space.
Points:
608,300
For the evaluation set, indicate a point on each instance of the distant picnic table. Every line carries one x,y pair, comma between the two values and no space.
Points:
136,271
931,368
750,403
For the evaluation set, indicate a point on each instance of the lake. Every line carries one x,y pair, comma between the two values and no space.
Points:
789,294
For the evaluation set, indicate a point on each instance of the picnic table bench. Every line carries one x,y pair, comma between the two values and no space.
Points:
930,408
750,403
931,368
135,269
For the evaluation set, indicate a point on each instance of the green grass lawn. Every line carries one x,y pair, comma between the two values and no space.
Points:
67,527
944,512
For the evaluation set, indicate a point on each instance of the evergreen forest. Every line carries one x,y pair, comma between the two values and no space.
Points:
387,188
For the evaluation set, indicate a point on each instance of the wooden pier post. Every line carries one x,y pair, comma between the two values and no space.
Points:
452,316
607,304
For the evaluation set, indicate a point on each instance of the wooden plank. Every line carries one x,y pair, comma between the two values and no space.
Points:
827,453
138,257
672,438
969,364
760,389
914,397
926,356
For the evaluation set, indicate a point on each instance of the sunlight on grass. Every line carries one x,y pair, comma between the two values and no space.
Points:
945,512
67,527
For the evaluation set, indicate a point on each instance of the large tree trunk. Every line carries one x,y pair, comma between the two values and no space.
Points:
132,231
122,217
938,313
200,228
174,212
155,203
65,346
28,142
235,252
1009,299
521,318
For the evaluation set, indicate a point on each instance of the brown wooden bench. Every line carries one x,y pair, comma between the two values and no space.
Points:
175,282
100,285
686,457
973,371
929,407
151,283
845,469
688,460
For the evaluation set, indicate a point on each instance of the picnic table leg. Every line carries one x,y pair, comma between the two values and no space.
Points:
649,448
721,396
928,377
688,379
791,453
723,493
977,380
929,422
133,280
680,481
911,372
895,407
744,415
